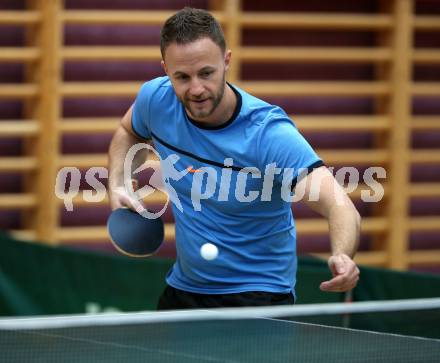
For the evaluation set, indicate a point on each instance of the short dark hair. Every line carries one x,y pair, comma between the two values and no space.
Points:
189,25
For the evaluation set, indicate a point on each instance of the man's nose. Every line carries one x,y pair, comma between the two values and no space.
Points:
196,88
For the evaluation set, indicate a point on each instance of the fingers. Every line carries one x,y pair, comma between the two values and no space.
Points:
132,203
345,274
121,198
339,284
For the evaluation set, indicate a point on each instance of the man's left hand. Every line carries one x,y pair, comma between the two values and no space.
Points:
345,274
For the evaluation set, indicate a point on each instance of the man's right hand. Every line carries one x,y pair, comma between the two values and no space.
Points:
120,197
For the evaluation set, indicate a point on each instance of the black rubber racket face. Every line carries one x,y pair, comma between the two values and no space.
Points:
134,235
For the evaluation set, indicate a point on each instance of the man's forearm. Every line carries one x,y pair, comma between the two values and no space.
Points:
344,226
122,141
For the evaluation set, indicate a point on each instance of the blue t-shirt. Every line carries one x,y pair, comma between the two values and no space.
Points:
226,192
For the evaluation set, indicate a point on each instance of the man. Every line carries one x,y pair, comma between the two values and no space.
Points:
245,143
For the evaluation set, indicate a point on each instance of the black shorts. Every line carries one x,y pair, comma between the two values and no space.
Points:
173,298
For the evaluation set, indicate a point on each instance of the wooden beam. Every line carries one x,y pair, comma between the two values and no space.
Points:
155,198
426,23
49,38
248,54
83,160
425,190
424,257
105,53
263,88
426,56
142,17
315,88
17,201
425,123
18,164
18,90
325,21
19,17
399,138
312,226
357,193
89,233
426,89
314,54
331,157
19,54
94,233
233,14
98,89
370,258
427,156
88,125
373,225
24,235
215,5
350,157
426,223
160,198
342,123
89,160
22,128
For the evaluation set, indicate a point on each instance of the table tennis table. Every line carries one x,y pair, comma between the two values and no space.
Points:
248,340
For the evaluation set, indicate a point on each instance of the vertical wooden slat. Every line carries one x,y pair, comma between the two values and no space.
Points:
215,5
30,106
47,110
399,144
233,37
382,107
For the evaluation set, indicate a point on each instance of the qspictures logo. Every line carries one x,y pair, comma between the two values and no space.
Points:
210,182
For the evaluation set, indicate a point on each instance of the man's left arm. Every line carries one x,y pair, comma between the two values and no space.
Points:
324,195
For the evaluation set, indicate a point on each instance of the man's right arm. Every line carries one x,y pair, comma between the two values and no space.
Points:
123,139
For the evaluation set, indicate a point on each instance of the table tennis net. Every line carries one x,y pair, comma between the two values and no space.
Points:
301,333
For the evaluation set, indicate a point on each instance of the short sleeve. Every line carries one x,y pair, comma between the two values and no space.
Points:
283,145
140,118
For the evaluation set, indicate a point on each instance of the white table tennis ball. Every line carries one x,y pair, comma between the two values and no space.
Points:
209,251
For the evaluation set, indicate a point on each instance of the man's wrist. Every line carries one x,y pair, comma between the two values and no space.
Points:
343,253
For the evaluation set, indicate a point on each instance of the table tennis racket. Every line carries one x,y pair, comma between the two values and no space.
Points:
134,235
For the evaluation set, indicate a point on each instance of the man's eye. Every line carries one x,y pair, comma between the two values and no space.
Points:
182,77
206,74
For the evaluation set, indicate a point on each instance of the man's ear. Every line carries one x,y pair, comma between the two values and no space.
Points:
228,55
164,67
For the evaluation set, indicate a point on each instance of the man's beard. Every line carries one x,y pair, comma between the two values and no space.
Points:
215,99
